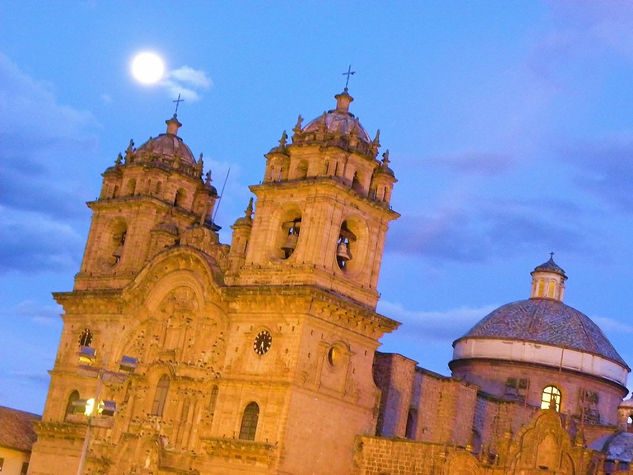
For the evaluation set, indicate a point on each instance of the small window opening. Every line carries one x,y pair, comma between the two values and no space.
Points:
180,198
160,397
357,186
249,422
302,169
550,398
85,339
131,187
412,419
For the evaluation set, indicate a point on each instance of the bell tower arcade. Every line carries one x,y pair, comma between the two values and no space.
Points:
322,209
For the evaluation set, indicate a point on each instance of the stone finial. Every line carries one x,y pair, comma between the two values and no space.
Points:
128,151
283,139
376,140
297,127
199,166
173,125
207,180
118,160
248,212
385,159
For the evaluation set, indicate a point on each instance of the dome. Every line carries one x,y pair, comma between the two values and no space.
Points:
337,127
166,147
337,122
545,321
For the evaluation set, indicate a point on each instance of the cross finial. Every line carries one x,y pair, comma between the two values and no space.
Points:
348,74
551,255
177,101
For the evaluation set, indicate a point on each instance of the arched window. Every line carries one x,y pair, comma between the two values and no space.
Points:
550,398
249,421
74,396
357,186
131,186
179,200
85,339
160,396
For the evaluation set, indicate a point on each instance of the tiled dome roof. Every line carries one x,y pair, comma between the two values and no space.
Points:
168,146
338,122
337,127
545,321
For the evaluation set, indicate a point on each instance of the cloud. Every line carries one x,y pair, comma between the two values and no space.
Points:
434,326
35,243
187,82
609,325
474,163
476,229
38,199
604,169
35,311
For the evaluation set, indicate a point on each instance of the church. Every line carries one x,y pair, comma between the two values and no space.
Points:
181,354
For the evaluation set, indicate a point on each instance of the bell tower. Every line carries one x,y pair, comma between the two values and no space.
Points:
322,209
150,199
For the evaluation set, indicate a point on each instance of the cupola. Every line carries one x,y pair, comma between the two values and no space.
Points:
548,281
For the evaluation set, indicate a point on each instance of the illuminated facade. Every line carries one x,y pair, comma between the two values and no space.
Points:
181,354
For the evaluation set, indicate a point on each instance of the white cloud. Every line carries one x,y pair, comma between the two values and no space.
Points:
188,82
445,325
609,325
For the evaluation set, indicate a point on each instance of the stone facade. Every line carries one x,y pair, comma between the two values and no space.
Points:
180,354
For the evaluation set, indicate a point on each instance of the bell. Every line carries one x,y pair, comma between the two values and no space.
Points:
118,252
342,252
290,244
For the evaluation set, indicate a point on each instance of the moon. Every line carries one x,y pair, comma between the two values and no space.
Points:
148,67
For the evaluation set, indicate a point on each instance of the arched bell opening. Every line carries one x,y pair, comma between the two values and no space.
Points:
300,170
292,230
116,244
180,197
343,247
130,188
351,245
357,184
289,230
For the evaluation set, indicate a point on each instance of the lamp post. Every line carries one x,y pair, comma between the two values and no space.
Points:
95,407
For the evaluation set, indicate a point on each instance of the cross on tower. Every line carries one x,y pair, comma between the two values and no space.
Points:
348,74
177,101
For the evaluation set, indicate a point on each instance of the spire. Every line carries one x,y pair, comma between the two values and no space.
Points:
248,212
173,125
548,280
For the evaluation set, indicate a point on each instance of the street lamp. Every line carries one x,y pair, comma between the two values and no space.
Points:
94,407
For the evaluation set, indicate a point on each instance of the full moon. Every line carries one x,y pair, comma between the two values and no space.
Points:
148,68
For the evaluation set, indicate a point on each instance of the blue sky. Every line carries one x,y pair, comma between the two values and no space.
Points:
509,125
